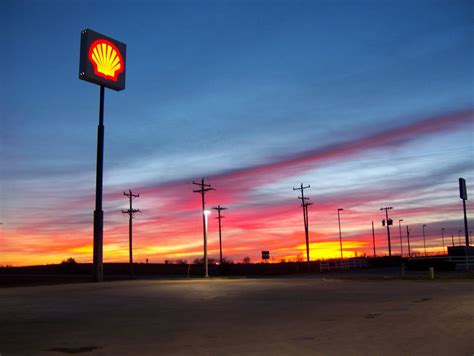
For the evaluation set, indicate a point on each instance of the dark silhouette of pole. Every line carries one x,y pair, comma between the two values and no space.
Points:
442,236
400,231
305,219
203,188
340,235
408,239
130,213
219,216
424,239
463,196
387,208
373,238
452,239
98,269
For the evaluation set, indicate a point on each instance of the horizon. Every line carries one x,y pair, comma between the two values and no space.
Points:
370,104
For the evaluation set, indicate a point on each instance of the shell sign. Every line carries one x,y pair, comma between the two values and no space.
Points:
102,60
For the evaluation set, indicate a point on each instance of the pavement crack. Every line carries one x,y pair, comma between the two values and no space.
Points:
75,350
372,315
422,300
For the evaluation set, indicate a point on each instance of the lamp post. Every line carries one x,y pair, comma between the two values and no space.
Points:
206,218
400,231
442,236
340,235
424,239
373,238
408,239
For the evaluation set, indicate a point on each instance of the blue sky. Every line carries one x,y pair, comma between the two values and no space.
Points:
215,87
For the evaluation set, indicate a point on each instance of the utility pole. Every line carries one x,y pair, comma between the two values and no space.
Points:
305,205
400,231
424,238
219,216
389,222
203,188
340,235
408,239
130,213
442,236
373,238
452,239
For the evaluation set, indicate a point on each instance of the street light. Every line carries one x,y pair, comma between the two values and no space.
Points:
340,235
408,240
424,239
400,231
206,268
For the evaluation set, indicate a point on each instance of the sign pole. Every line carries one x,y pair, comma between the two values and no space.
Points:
463,196
102,62
98,272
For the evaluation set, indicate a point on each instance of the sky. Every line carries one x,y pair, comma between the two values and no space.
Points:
368,102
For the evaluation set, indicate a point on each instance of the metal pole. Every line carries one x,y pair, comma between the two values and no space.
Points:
306,231
204,225
408,239
463,196
452,239
98,272
424,239
340,235
373,238
206,267
442,236
400,231
130,235
220,235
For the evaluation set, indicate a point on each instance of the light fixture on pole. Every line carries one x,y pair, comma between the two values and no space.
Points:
203,188
340,235
206,213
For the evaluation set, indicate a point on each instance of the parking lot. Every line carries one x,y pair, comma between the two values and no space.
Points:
267,316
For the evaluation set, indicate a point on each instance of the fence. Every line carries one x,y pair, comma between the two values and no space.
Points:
339,265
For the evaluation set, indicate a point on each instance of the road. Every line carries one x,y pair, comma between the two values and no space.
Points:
272,316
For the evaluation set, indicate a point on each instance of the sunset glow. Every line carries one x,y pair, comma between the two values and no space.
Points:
369,107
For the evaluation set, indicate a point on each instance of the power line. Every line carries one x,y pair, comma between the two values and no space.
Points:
305,205
203,188
130,213
219,216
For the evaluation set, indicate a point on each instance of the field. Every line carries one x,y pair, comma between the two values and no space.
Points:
240,316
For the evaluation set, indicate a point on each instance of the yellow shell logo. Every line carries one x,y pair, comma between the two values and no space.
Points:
106,59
